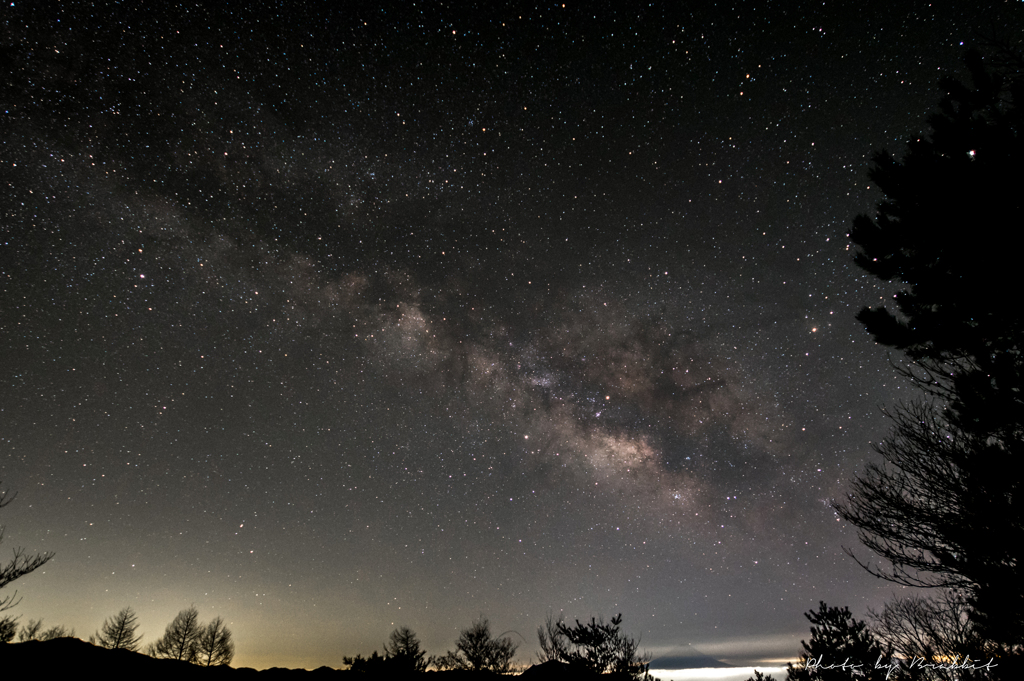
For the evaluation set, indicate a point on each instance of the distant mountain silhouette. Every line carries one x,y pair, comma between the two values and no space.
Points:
554,670
688,658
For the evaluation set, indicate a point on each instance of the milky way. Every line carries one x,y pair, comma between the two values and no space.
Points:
330,321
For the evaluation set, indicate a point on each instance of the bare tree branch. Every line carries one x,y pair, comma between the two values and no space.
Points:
19,566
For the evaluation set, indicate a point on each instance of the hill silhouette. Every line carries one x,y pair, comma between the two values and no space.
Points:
69,656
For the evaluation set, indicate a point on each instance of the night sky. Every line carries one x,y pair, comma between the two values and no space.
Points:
330,318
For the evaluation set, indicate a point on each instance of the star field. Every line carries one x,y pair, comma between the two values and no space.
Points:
330,320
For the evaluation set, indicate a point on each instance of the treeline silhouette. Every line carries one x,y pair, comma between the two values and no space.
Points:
31,631
578,651
185,639
911,639
594,649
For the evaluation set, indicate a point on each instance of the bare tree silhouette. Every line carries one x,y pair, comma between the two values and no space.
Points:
119,631
180,639
214,646
476,649
19,566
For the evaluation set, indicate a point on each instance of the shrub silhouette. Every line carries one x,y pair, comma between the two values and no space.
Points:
375,664
8,628
33,631
477,650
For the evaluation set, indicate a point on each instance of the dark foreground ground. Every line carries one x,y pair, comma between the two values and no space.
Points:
70,657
